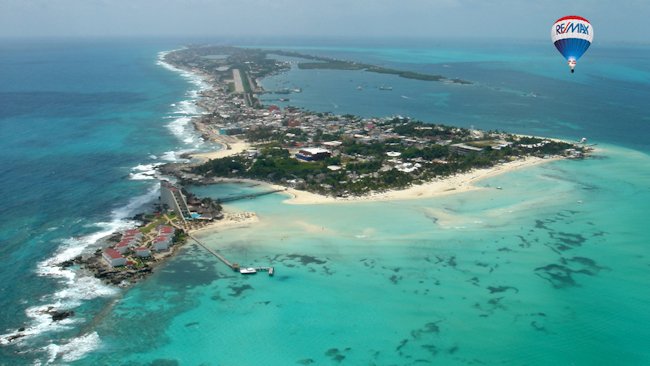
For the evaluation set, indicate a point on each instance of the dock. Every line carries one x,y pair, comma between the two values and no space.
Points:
234,266
248,196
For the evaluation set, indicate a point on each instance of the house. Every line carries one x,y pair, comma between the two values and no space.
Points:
313,154
113,258
142,252
161,242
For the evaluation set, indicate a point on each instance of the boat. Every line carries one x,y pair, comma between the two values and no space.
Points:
385,88
249,270
271,271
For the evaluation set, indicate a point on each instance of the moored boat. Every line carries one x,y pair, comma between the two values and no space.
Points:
249,270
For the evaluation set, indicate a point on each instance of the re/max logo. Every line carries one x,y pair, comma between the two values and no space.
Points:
571,27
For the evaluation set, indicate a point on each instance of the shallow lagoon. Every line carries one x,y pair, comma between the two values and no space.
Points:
546,270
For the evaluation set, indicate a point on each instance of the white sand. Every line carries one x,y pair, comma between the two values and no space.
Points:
230,220
231,148
454,184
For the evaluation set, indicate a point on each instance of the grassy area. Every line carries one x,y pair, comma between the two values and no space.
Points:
152,225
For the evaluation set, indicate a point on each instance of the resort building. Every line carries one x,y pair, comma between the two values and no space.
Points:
464,149
123,246
143,252
113,258
133,233
166,230
313,154
161,242
172,197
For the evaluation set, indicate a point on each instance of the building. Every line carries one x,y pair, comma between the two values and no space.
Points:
123,246
464,149
172,197
332,144
166,230
133,233
113,258
161,242
142,252
313,154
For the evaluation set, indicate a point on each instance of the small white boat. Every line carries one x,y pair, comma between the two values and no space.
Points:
249,270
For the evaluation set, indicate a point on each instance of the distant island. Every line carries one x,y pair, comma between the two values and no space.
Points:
331,155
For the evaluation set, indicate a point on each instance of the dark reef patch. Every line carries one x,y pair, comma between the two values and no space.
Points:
557,275
498,289
238,290
306,259
336,355
561,275
395,279
428,328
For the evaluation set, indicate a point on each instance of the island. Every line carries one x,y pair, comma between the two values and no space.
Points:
335,156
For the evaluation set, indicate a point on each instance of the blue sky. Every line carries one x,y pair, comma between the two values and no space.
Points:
521,19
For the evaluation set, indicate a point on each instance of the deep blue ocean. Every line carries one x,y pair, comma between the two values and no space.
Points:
84,123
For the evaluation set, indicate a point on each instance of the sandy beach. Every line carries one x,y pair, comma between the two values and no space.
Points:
450,185
230,149
231,144
231,220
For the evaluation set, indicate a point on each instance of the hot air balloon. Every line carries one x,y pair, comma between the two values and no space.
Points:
572,35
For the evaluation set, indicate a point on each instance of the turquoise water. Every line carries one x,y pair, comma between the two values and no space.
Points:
551,269
83,124
536,273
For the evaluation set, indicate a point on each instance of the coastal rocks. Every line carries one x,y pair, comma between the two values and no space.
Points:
61,314
57,315
71,262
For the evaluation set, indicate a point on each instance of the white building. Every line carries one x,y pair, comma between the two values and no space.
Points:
123,246
143,252
172,197
162,242
113,258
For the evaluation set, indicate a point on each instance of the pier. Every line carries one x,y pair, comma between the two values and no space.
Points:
234,266
249,196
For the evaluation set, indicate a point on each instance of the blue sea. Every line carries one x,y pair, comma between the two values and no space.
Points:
551,269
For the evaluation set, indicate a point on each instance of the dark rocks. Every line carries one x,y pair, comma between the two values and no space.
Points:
58,315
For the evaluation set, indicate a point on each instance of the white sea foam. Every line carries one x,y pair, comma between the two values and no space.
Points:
77,286
187,109
145,172
74,350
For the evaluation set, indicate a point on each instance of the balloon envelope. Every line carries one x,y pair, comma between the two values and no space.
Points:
572,35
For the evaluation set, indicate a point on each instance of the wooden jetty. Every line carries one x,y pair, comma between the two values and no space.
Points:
234,266
249,196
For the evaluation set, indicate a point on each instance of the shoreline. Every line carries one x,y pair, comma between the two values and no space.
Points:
233,145
459,183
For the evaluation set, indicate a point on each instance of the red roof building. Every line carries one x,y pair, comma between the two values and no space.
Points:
113,258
